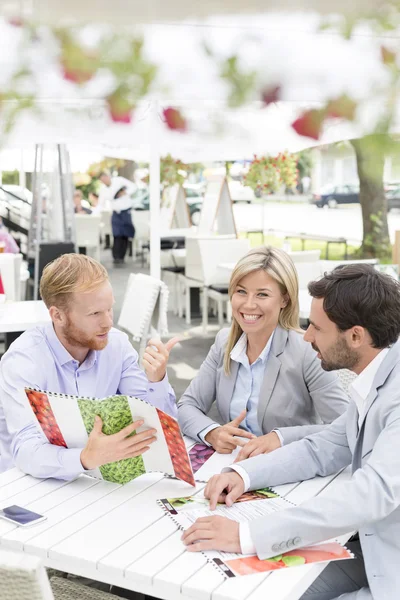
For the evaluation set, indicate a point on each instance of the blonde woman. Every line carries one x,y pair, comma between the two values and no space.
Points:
266,381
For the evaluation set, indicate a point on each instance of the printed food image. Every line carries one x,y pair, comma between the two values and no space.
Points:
176,447
257,495
188,503
43,412
294,558
115,414
199,454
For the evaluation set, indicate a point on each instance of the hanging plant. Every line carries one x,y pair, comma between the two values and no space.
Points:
268,173
172,171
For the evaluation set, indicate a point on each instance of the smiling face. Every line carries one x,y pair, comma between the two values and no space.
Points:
256,303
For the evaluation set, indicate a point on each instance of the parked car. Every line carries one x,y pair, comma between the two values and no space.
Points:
341,194
393,199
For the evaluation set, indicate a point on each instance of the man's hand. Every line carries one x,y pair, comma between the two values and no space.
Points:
261,445
213,533
222,438
155,358
226,487
102,449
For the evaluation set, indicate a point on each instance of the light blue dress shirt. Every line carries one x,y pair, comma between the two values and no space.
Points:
248,384
38,359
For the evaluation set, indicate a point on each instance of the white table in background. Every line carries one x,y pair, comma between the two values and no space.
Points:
304,296
119,535
16,317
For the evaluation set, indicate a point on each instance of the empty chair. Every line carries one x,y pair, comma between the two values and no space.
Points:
105,225
203,255
87,231
144,308
308,256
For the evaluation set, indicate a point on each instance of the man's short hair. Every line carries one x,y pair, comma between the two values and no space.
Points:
358,294
68,274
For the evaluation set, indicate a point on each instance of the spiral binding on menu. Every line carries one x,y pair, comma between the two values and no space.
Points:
92,398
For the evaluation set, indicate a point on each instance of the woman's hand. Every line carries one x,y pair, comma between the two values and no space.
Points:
223,439
261,445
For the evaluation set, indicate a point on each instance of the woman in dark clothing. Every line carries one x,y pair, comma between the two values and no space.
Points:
122,226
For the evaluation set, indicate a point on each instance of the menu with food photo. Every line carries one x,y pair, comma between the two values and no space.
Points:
68,420
251,505
206,462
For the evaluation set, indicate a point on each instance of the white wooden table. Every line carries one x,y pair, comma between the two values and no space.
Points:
304,297
19,316
119,535
16,317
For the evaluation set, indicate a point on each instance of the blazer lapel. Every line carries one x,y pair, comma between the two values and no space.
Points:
225,391
271,372
383,373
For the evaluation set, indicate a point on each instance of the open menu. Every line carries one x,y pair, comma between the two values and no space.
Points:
249,506
68,420
206,462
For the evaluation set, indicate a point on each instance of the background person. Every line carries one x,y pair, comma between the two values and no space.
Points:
261,373
122,226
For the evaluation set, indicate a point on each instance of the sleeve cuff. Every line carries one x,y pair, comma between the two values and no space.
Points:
280,436
246,543
71,459
205,431
240,471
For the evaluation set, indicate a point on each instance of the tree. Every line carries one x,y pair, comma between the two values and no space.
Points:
370,155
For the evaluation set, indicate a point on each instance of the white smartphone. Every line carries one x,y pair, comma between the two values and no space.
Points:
21,516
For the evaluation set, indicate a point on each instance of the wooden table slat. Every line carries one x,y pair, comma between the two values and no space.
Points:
145,568
126,554
121,522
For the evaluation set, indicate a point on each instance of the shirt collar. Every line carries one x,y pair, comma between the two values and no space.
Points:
363,383
238,352
61,353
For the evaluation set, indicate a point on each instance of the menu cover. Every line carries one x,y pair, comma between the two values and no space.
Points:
251,505
68,420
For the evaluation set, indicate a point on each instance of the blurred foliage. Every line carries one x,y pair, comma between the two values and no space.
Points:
304,163
10,177
268,173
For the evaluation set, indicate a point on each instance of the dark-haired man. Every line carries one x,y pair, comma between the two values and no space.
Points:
354,324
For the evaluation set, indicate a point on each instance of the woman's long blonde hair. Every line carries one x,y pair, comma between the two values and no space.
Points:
278,265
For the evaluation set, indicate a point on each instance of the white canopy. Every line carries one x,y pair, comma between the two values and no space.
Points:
129,13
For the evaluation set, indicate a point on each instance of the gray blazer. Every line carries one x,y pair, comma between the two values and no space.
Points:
297,395
369,502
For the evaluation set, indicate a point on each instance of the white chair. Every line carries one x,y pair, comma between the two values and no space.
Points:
10,270
202,258
23,577
141,223
307,272
87,232
144,308
308,256
105,224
